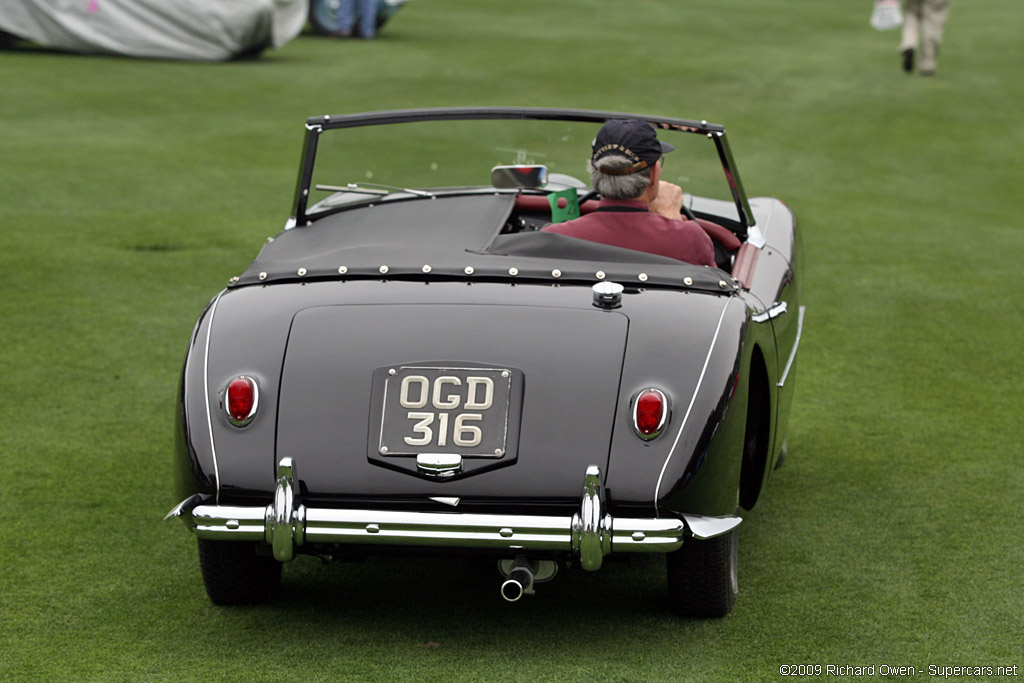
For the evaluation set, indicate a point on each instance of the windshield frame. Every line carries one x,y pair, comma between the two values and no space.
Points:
318,125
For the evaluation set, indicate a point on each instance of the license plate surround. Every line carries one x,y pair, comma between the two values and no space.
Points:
441,409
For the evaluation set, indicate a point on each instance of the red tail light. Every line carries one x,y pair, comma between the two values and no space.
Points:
242,400
650,413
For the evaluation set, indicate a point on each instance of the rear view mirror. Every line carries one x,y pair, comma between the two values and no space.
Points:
513,177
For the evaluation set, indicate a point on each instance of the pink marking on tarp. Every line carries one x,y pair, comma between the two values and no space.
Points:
94,6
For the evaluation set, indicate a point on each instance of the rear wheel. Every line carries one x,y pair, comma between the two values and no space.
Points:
702,576
235,574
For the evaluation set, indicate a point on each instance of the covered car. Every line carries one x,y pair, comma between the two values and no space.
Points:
412,364
185,29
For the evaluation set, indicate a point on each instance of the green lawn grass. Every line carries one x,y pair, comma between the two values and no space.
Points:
131,190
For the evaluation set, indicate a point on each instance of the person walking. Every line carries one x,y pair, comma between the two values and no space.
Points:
923,23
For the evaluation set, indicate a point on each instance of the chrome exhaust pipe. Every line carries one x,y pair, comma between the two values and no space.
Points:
519,582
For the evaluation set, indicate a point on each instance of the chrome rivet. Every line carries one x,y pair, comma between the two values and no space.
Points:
600,274
372,528
392,372
513,271
383,450
233,280
687,281
263,276
506,374
638,536
342,270
301,272
506,533
643,277
469,270
426,269
383,269
499,451
305,193
556,273
722,284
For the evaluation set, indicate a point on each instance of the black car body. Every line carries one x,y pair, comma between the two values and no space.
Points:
416,365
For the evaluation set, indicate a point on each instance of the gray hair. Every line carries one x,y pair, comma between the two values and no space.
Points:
629,186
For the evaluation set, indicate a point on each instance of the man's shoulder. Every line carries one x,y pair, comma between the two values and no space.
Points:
570,227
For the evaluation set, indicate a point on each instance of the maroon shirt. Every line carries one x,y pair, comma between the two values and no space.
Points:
630,224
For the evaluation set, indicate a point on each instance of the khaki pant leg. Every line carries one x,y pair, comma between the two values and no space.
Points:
911,36
934,20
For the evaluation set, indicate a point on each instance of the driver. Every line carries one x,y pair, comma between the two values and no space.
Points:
638,210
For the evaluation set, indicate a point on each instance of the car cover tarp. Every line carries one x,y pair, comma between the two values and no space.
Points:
207,30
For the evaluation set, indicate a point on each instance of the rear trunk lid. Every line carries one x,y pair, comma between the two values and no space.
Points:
525,395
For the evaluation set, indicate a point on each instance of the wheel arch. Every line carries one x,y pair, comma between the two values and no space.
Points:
757,435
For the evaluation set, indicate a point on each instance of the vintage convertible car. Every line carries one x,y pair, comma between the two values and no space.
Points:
412,366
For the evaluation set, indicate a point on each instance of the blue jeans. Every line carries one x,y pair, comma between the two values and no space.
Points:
367,14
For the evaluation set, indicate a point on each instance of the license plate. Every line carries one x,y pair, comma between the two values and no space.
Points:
445,410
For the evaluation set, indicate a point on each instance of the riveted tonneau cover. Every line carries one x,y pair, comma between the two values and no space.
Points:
457,236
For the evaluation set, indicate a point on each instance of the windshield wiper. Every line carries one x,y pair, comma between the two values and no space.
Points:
371,188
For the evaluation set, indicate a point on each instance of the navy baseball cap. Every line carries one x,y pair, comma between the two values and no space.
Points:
630,138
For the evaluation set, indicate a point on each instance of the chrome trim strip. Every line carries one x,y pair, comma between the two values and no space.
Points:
206,392
185,507
796,345
768,220
693,399
777,309
755,237
704,528
285,524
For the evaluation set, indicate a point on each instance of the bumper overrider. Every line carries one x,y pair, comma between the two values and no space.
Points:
589,534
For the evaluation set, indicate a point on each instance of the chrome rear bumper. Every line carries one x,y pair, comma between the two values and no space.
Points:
589,534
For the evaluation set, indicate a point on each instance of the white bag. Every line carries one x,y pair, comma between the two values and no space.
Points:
886,15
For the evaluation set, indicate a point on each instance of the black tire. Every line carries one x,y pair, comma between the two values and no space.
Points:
702,576
235,574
